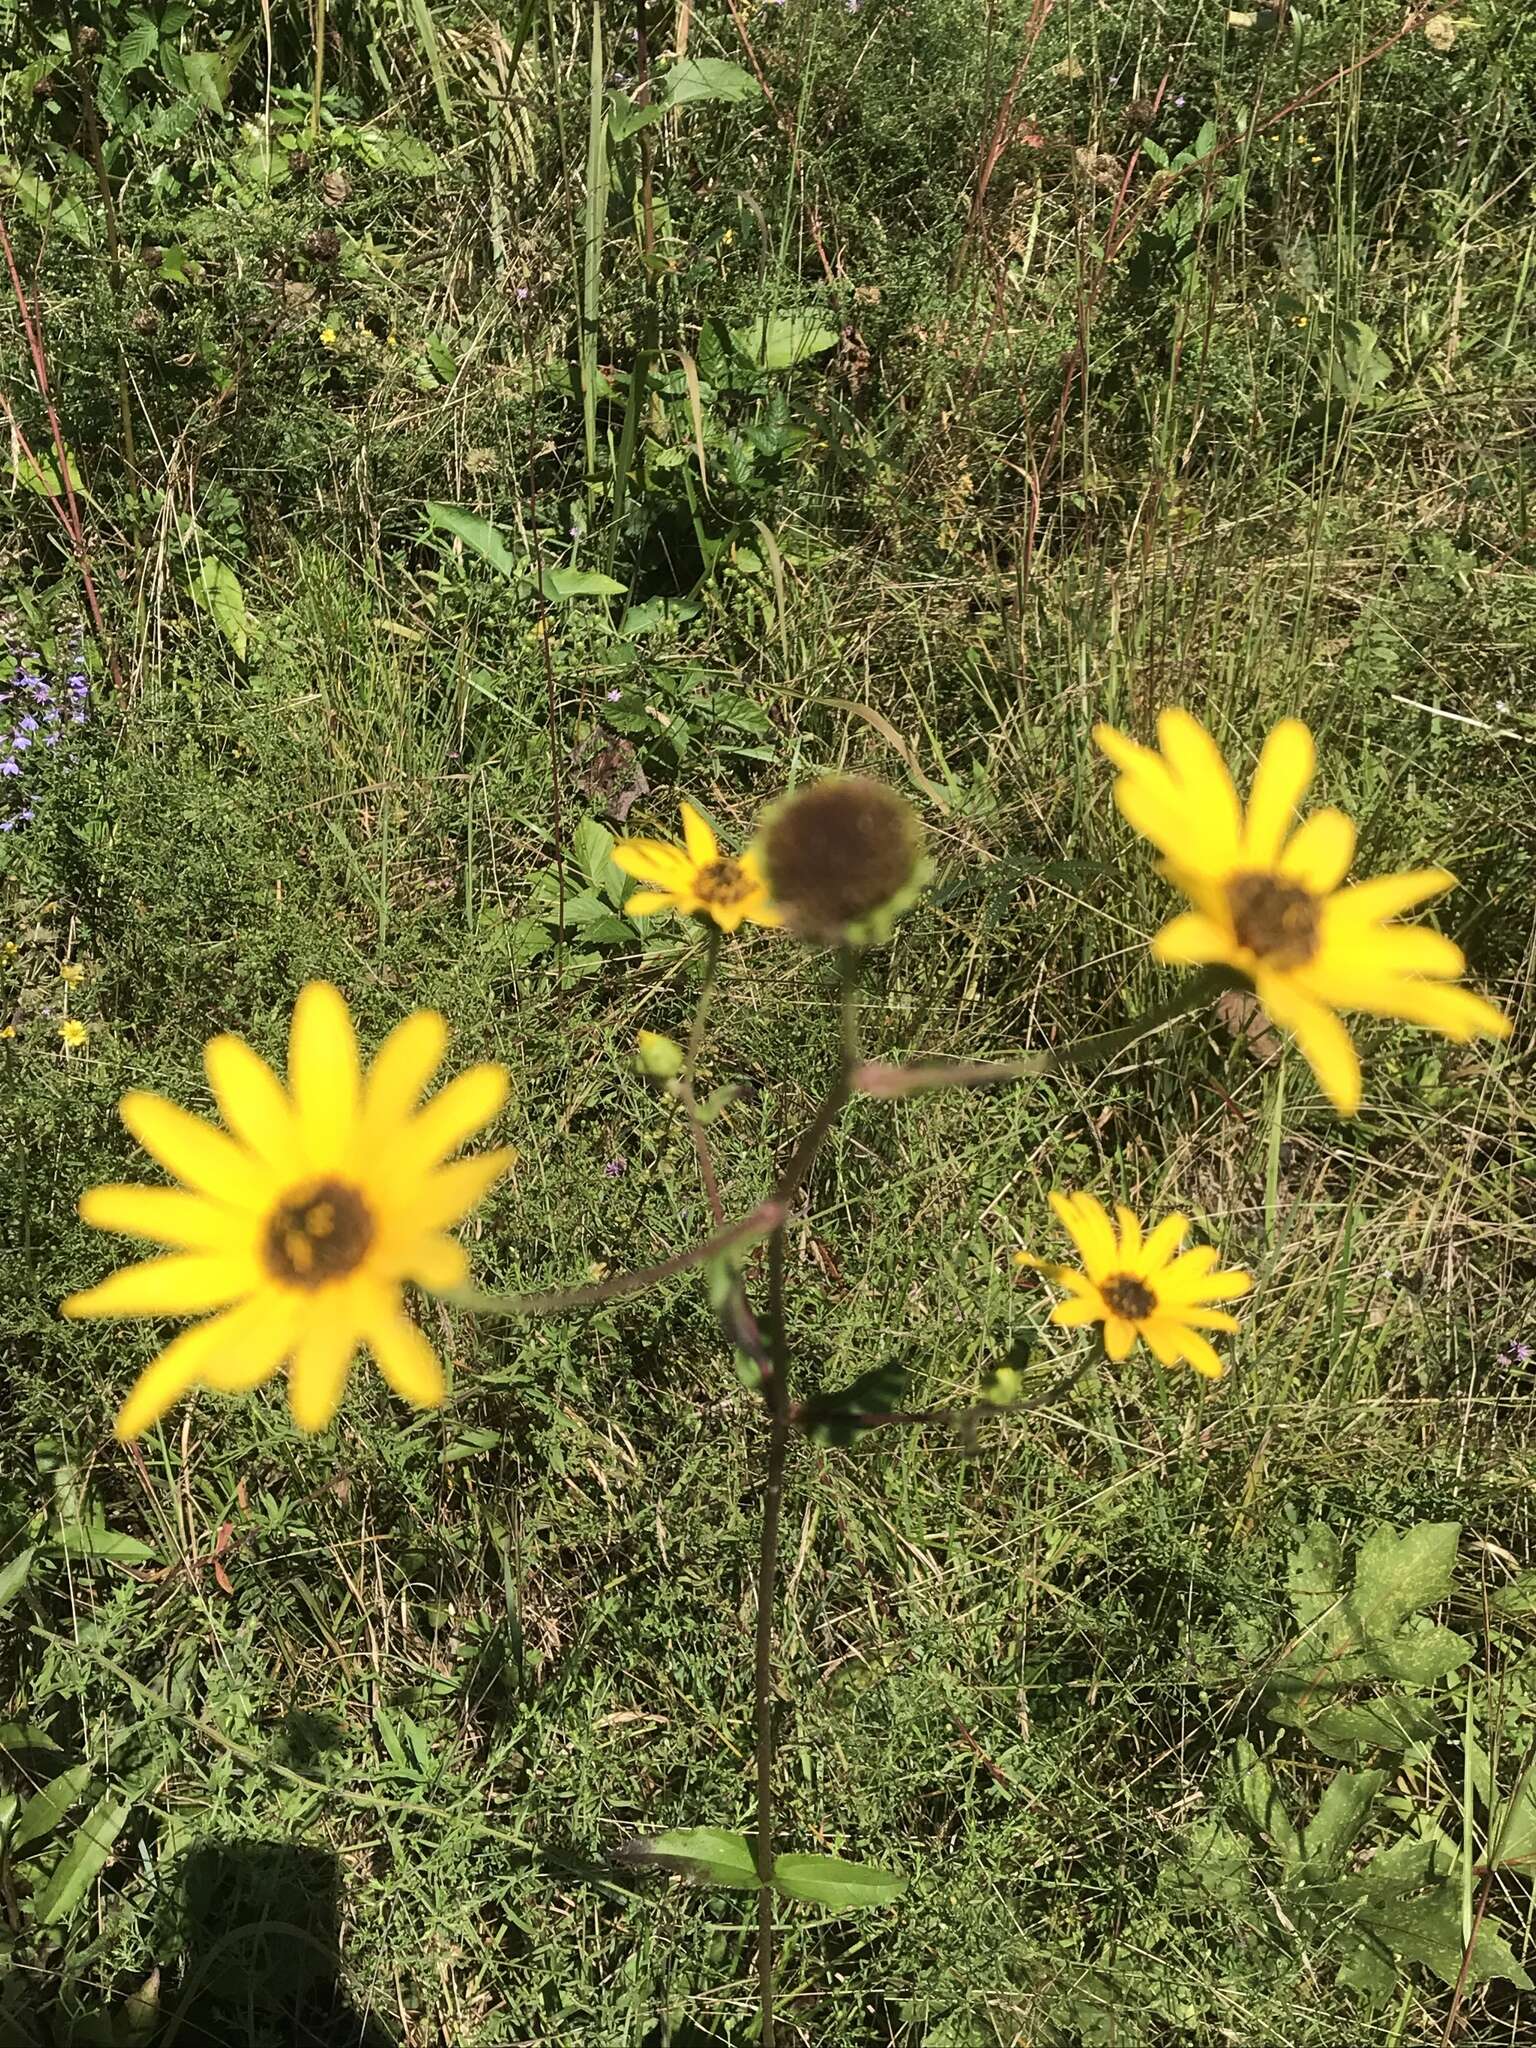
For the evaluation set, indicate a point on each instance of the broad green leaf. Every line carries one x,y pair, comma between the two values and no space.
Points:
692,80
1406,1866
45,207
1259,1798
477,534
1396,1575
45,1809
783,339
708,1855
37,473
138,46
1341,1813
1392,1722
592,845
626,119
561,585
1428,1931
77,1869
829,1881
94,1539
215,588
389,149
1312,1579
1422,1652
13,1576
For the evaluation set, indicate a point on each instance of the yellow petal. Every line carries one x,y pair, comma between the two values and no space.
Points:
1202,1355
1128,755
649,903
247,1345
1286,766
166,1216
1320,851
1193,940
402,1071
1206,1318
1162,1243
1085,1222
702,845
760,910
1458,1013
1163,1341
323,1075
1119,1337
1388,896
654,861
1213,813
1325,1043
454,1190
181,1284
1153,809
1196,1291
253,1102
437,1263
162,1383
406,1359
1398,949
317,1378
1080,1309
196,1153
452,1117
1130,1235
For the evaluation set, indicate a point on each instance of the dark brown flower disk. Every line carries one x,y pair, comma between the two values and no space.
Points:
837,852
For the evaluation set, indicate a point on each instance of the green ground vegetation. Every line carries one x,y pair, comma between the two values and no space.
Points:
491,440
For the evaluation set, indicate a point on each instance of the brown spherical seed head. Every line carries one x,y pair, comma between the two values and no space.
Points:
1277,919
838,852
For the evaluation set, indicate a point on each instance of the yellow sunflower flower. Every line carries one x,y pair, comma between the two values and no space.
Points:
1270,902
1142,1286
299,1226
699,881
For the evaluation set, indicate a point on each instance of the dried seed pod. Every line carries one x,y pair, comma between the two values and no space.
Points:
842,859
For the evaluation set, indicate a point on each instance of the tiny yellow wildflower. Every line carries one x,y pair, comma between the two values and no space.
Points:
697,879
328,336
299,1226
1142,1286
73,1033
72,973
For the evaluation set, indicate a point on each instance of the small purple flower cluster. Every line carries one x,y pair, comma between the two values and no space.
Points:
38,715
1516,1354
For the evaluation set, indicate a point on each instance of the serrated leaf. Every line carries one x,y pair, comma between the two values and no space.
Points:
783,339
1312,1578
1421,1652
1341,1813
77,1869
707,1855
1393,1722
215,588
1428,1931
829,1881
692,80
477,534
1396,1575
1259,1798
45,1809
14,1576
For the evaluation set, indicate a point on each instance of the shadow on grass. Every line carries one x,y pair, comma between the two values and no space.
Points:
257,1965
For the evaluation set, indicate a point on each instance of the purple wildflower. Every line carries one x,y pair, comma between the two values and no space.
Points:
615,1166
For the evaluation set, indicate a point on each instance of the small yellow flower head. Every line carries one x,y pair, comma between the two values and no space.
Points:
72,974
295,1230
843,859
73,1033
1142,1286
328,337
1270,901
662,1058
695,879
7,1030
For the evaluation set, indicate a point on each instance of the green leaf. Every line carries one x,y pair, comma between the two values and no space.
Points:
592,845
14,1576
783,339
1313,1579
829,1881
215,589
707,1855
1341,1813
94,1539
836,1416
1395,1575
45,1809
477,534
393,150
1260,1801
1422,1652
561,585
78,1867
44,206
1394,1721
1428,1931
692,80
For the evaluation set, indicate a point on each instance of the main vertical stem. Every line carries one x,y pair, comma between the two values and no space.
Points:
776,1394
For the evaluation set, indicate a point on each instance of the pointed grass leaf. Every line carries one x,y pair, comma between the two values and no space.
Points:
77,1869
14,1576
45,1809
829,1881
94,1539
706,1855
